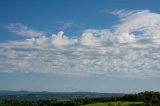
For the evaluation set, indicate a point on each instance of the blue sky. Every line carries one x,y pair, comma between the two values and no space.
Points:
80,45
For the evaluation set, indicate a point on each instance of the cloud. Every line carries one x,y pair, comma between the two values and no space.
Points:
131,48
64,25
143,22
61,40
23,30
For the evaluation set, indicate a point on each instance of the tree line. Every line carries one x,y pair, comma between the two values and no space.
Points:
149,98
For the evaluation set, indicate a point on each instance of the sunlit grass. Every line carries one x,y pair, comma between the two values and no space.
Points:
119,103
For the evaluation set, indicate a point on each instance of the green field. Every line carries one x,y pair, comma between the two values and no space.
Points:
113,104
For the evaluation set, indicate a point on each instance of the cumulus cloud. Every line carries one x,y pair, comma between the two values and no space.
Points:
23,30
131,48
61,40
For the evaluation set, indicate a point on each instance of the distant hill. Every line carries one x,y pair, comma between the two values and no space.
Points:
6,92
26,95
147,98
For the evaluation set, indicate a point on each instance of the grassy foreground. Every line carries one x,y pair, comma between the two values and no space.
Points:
119,103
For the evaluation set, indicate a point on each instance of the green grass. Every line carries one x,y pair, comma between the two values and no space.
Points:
113,104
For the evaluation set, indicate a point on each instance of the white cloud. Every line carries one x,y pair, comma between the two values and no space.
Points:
64,25
89,39
24,30
61,40
132,48
42,41
143,22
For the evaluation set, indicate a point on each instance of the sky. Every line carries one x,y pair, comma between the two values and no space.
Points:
80,45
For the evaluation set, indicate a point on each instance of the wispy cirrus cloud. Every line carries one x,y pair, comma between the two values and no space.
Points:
64,25
23,30
131,48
